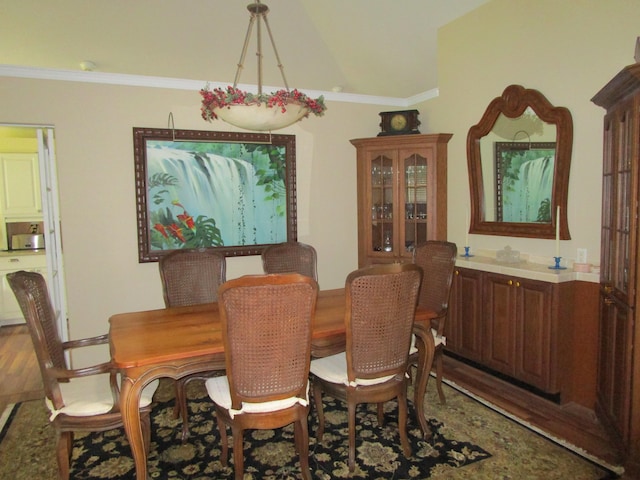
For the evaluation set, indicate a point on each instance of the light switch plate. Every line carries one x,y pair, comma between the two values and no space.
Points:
581,255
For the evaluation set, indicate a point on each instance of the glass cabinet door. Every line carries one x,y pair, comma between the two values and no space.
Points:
382,203
617,268
623,269
415,200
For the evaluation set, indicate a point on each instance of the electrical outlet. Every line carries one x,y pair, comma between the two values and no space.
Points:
581,255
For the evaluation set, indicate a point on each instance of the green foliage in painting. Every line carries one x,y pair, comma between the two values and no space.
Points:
544,212
173,227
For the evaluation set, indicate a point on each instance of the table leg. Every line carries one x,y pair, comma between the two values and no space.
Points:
426,350
130,409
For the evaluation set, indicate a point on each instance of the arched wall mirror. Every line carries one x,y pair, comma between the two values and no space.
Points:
519,156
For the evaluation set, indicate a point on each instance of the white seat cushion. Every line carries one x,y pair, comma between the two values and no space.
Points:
87,396
437,340
218,390
334,369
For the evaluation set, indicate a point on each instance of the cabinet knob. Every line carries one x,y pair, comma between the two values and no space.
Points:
517,284
457,272
510,282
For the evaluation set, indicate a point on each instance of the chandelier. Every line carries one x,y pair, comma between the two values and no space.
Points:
260,112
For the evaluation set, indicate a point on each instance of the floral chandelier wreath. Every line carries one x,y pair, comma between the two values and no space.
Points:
259,111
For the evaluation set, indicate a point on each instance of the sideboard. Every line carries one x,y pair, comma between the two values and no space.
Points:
528,324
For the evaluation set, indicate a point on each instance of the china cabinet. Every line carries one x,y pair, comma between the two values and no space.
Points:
402,195
618,385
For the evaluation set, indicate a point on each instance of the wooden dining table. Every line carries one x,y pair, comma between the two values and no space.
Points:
175,342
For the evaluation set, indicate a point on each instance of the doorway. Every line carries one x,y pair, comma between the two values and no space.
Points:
37,139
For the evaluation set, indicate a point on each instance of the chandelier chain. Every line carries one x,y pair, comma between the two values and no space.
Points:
258,11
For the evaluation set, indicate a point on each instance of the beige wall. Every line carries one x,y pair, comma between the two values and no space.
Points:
567,50
94,146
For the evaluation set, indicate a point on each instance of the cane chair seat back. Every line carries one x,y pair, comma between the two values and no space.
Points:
191,277
290,257
266,323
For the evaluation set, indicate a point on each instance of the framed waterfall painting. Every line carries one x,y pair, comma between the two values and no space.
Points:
524,181
233,192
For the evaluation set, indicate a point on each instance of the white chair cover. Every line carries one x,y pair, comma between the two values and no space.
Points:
86,396
334,369
218,390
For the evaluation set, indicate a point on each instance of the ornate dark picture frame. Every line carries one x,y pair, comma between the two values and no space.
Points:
233,192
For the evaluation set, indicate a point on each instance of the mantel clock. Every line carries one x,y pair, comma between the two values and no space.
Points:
399,123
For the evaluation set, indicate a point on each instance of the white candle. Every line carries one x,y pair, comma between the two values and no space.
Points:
466,227
558,231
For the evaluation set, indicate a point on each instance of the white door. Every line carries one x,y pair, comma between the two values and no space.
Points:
51,214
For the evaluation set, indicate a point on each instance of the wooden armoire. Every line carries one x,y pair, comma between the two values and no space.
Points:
618,384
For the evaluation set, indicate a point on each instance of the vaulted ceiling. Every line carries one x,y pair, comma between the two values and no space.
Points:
370,47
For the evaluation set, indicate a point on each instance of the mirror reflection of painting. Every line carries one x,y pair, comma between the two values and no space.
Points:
524,180
214,194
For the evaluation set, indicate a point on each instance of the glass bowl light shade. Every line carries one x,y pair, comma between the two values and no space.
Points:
261,117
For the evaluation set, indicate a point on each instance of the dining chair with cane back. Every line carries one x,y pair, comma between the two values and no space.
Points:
437,260
266,323
190,277
380,310
79,400
290,257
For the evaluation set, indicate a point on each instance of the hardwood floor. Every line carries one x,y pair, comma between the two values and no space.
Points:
20,378
571,422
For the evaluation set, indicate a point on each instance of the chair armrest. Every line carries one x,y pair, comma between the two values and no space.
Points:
65,373
438,320
86,342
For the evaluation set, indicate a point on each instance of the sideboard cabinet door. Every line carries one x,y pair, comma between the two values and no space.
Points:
463,328
519,330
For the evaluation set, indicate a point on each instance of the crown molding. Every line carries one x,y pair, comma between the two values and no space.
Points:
423,97
194,85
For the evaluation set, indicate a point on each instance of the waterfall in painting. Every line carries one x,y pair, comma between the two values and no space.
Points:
189,190
528,198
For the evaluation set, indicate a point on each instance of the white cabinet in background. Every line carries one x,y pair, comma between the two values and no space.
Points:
10,312
20,186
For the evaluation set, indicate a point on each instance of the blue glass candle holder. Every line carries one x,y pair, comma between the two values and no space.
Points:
466,252
557,265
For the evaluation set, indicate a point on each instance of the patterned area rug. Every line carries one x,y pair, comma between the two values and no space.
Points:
506,449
